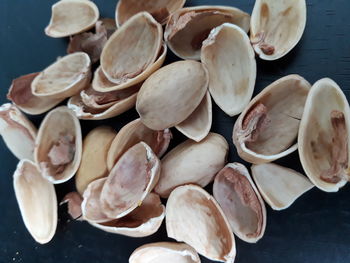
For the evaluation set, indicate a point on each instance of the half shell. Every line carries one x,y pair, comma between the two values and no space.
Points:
189,27
241,202
324,136
279,186
267,129
17,131
232,68
194,217
58,147
37,201
277,26
70,17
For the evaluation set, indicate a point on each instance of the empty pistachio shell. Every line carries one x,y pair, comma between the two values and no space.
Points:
279,186
58,146
241,202
277,26
70,17
94,158
64,78
192,162
164,252
194,217
132,50
37,201
133,133
232,68
267,129
198,124
17,131
171,94
159,9
189,27
324,136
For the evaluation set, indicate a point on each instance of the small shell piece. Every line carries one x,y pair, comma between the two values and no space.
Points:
74,200
232,68
129,54
277,26
198,124
171,94
241,202
324,136
192,162
37,201
279,186
133,133
64,78
194,217
159,9
164,252
58,147
17,131
189,27
94,158
268,128
70,17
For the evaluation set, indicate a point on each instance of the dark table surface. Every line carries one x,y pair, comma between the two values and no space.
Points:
315,229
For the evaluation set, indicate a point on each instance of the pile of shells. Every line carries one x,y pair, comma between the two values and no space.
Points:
120,177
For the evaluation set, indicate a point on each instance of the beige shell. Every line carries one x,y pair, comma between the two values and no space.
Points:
20,93
278,185
192,162
198,124
276,27
164,252
194,217
189,27
70,17
64,78
241,202
17,131
94,158
131,51
324,136
159,9
267,129
171,94
37,201
232,68
133,133
58,147
143,221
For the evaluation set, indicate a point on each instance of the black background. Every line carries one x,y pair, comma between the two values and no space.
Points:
315,229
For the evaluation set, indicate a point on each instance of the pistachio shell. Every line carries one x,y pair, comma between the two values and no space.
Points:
171,94
94,158
188,27
241,202
279,186
192,162
133,133
58,146
17,131
64,78
324,136
131,50
198,124
37,201
71,17
232,68
267,129
276,27
194,217
164,252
